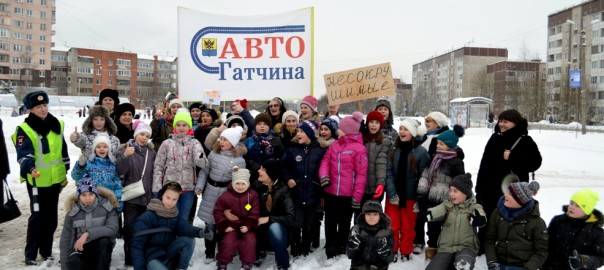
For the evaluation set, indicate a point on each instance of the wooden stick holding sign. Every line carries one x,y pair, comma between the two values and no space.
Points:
359,84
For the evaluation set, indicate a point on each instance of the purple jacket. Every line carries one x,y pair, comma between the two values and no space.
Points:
345,164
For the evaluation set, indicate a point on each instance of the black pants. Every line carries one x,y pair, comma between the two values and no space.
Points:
41,225
463,259
302,235
315,230
131,213
338,212
489,204
96,255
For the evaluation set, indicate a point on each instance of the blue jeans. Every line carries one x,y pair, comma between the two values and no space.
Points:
182,245
185,203
278,240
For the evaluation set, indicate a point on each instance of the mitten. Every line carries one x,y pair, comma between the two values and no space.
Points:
325,182
416,208
477,220
355,204
354,241
382,247
394,200
202,162
82,160
577,261
493,266
429,216
379,190
206,233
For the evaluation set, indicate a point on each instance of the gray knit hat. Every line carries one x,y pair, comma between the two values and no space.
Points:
523,192
463,183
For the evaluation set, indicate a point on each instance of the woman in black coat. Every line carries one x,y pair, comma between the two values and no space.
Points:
124,114
509,150
4,166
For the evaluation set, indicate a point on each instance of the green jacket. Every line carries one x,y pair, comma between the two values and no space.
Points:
457,231
521,242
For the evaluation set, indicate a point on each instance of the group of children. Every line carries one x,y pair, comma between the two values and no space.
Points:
254,186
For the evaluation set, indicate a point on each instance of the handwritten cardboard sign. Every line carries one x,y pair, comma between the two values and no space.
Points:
359,84
212,97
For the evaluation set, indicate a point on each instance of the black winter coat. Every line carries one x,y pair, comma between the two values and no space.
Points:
4,166
123,133
366,255
302,164
282,210
567,234
523,159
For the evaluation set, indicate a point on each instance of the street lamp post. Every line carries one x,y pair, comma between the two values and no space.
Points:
79,81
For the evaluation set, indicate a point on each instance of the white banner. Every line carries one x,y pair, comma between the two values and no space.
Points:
253,57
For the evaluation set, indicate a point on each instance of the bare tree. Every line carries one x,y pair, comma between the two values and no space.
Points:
482,85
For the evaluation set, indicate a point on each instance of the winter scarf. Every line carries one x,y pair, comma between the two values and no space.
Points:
269,198
43,127
90,208
401,181
156,206
510,214
437,162
264,140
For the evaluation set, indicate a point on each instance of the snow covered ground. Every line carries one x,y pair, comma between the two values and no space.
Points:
569,164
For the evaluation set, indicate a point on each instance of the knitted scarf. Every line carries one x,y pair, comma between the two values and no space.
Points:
437,163
264,141
511,214
401,177
88,211
156,206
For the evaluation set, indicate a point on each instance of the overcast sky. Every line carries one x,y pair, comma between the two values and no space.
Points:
347,35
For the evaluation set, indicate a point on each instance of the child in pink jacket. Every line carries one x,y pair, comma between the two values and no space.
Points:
343,175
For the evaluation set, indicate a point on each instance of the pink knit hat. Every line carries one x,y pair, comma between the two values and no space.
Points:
311,102
351,124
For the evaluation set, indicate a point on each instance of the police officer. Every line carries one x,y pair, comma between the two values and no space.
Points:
44,161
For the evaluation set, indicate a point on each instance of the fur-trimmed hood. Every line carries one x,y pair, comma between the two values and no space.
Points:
322,143
228,121
596,217
95,111
103,192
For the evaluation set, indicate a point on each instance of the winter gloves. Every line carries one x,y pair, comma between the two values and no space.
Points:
478,220
493,266
382,247
325,182
354,241
82,160
379,190
578,261
355,205
394,200
206,233
429,216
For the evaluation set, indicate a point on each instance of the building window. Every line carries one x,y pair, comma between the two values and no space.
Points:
30,13
42,49
17,35
30,1
28,36
43,2
4,33
98,82
42,73
42,27
29,25
98,72
42,62
4,46
17,47
16,60
123,73
98,61
110,62
18,11
109,82
43,14
110,73
18,24
42,38
123,62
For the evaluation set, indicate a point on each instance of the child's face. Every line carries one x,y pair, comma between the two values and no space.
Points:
374,126
457,196
403,133
206,118
440,145
372,218
384,111
169,198
195,113
98,122
240,187
174,108
574,211
182,128
262,128
142,138
510,202
87,198
102,150
325,132
305,112
302,137
291,122
225,145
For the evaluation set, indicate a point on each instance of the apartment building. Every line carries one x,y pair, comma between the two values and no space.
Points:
25,43
518,85
144,79
575,41
459,73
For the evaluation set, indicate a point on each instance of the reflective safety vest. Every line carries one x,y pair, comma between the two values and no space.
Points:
50,165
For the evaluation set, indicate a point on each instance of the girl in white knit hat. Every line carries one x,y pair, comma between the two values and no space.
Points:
213,180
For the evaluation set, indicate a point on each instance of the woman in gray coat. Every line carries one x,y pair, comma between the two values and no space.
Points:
213,180
90,227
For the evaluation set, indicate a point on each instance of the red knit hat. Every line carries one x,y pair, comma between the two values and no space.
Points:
377,116
242,102
311,102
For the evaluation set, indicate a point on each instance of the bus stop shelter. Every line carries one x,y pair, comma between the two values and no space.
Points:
470,112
